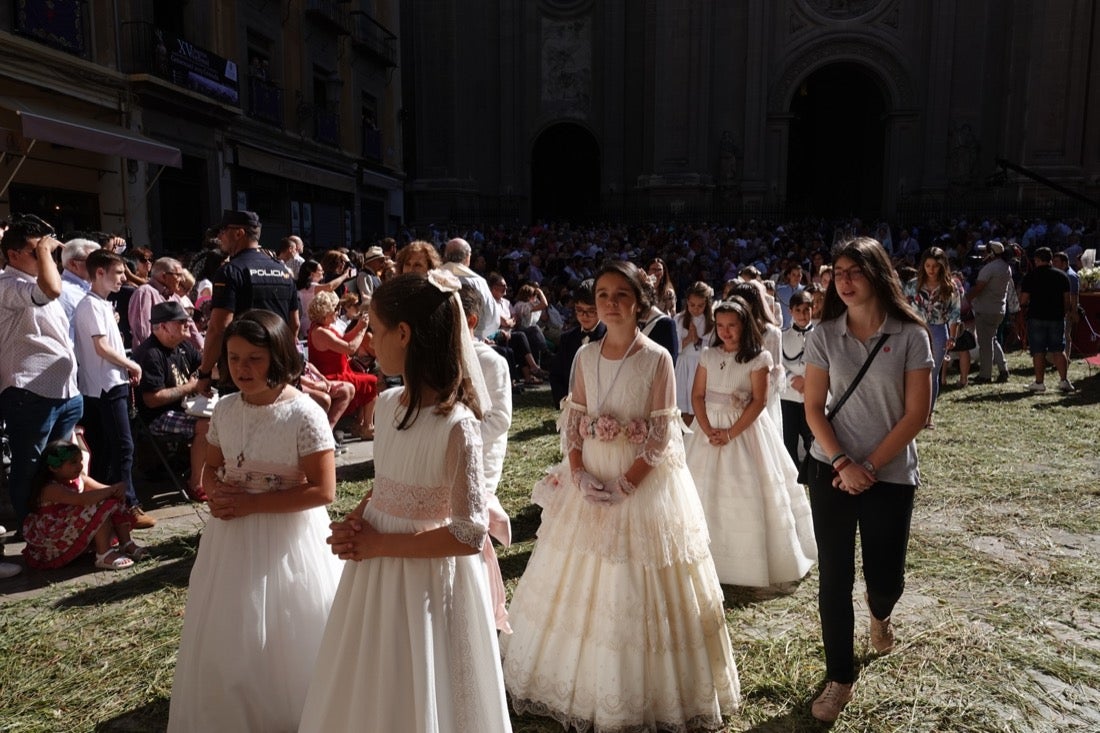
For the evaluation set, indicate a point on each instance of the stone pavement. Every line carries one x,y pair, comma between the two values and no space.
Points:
176,517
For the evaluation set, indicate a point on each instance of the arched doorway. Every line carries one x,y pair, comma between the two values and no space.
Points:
837,142
565,174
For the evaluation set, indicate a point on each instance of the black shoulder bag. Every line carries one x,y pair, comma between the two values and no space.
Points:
804,466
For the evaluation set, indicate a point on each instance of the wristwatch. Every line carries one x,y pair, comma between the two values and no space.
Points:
203,375
869,466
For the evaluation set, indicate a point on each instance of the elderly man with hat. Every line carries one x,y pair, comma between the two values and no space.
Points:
250,279
370,277
168,364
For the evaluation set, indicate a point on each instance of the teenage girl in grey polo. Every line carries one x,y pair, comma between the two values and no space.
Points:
864,473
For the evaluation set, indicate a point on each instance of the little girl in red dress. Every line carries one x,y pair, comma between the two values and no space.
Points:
70,510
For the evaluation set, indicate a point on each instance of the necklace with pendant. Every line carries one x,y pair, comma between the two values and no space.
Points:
245,421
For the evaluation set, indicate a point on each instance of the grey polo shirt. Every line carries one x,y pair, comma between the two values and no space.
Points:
878,402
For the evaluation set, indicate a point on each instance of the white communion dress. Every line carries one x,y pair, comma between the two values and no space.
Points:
758,514
411,643
262,584
617,621
688,359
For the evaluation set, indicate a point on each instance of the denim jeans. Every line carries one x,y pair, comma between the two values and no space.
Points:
939,348
882,516
107,430
32,422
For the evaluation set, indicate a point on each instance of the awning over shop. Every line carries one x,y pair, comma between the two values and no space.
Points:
34,122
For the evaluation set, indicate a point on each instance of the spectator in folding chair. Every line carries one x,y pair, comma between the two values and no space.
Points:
169,367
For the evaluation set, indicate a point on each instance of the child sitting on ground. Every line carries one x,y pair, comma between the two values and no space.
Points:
69,510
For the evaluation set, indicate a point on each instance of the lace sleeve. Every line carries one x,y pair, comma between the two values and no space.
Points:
314,434
663,415
574,410
469,506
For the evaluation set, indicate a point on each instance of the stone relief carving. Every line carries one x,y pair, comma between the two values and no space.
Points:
566,61
962,154
842,9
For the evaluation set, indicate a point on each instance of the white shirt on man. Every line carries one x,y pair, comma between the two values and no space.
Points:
35,351
96,317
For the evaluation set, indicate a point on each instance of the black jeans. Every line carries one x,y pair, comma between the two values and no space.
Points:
795,428
107,430
882,515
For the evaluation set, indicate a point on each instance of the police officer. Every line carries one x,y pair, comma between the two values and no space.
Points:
250,279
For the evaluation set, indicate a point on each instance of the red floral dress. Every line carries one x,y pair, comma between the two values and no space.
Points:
57,534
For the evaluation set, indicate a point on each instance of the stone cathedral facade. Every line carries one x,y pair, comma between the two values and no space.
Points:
581,109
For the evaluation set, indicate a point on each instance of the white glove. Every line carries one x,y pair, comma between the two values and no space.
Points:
612,492
586,482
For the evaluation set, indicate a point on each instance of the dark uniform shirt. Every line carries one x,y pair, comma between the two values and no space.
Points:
252,279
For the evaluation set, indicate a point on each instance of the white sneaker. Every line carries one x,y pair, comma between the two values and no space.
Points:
8,569
1037,387
1065,386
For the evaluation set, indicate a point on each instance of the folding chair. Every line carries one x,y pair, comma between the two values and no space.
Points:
160,445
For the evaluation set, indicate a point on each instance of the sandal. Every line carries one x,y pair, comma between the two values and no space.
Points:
118,562
532,380
364,432
135,550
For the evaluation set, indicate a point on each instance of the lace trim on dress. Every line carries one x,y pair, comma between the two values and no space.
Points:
704,721
469,505
570,425
409,501
665,441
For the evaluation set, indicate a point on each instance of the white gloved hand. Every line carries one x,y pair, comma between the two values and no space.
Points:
586,482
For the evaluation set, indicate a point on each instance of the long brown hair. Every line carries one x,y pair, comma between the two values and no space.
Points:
945,288
752,338
706,292
437,325
869,255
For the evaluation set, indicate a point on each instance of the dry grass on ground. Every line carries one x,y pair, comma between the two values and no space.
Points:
999,628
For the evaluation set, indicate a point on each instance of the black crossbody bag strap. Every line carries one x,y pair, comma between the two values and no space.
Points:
855,382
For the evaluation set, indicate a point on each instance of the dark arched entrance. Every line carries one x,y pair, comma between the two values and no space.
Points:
565,174
837,142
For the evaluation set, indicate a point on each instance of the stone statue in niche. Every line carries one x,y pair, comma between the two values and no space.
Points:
728,153
962,154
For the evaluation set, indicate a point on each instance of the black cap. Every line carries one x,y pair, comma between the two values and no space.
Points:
169,310
247,219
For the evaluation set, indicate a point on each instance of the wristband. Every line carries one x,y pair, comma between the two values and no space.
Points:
843,464
837,456
203,375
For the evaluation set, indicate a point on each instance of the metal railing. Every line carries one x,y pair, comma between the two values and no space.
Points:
265,101
331,14
371,37
326,127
